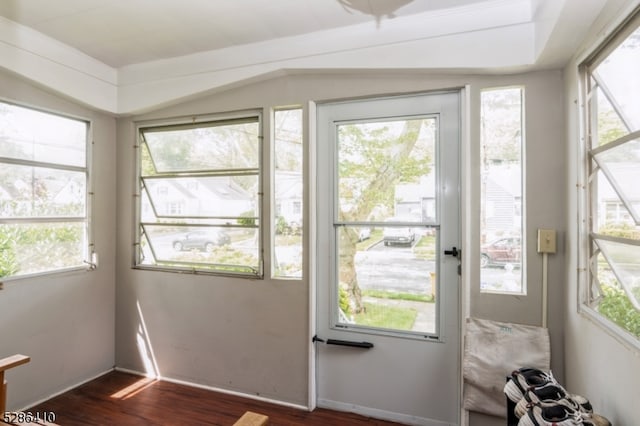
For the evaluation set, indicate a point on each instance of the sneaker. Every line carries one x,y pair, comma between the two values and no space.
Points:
549,395
598,420
524,378
555,415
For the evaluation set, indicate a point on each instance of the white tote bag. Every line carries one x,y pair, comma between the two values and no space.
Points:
492,351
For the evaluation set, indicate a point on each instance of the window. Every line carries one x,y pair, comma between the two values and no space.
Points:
199,204
43,192
288,155
501,220
386,229
612,84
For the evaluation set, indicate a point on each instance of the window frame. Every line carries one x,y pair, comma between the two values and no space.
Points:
588,209
195,122
89,255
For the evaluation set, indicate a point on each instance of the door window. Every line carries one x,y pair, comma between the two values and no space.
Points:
385,224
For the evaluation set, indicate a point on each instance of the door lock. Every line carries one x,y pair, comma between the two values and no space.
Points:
454,252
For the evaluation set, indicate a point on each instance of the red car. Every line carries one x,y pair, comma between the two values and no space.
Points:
501,252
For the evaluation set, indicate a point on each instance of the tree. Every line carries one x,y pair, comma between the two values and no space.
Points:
8,262
373,159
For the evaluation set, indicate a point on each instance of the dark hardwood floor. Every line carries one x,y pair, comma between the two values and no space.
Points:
121,399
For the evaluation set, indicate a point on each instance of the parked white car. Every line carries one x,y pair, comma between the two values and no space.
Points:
398,234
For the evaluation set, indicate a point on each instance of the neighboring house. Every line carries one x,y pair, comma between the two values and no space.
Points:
502,187
15,196
503,195
416,199
611,205
7,194
288,198
183,197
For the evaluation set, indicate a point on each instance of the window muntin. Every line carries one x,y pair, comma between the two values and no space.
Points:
199,206
43,192
612,81
501,220
288,193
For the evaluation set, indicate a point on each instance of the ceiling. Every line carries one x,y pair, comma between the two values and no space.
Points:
126,56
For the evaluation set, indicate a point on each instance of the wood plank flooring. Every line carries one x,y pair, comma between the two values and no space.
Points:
123,399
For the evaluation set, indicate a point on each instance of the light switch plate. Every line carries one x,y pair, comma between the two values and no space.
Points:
546,240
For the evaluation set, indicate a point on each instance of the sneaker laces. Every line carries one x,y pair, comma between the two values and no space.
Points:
577,416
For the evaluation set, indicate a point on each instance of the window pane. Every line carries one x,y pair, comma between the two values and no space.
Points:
386,195
501,191
624,260
41,192
33,248
26,134
621,167
200,197
209,146
227,196
613,301
618,73
214,248
610,126
396,281
371,154
288,218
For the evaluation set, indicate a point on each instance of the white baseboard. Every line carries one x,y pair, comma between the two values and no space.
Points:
216,389
380,414
67,389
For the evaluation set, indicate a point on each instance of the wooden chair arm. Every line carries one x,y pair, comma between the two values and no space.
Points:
13,361
5,364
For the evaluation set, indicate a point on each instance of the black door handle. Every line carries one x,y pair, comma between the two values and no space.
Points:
453,252
363,345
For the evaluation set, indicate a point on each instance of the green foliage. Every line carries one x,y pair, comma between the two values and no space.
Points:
393,295
247,219
622,230
616,306
501,125
373,159
31,235
221,145
610,126
8,263
219,259
281,225
39,247
425,248
146,163
344,300
381,316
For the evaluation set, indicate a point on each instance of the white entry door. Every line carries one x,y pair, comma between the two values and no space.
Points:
387,200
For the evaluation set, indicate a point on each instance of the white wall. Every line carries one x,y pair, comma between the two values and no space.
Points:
65,322
544,207
252,336
598,365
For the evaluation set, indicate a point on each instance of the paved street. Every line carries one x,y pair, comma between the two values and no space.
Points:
393,268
